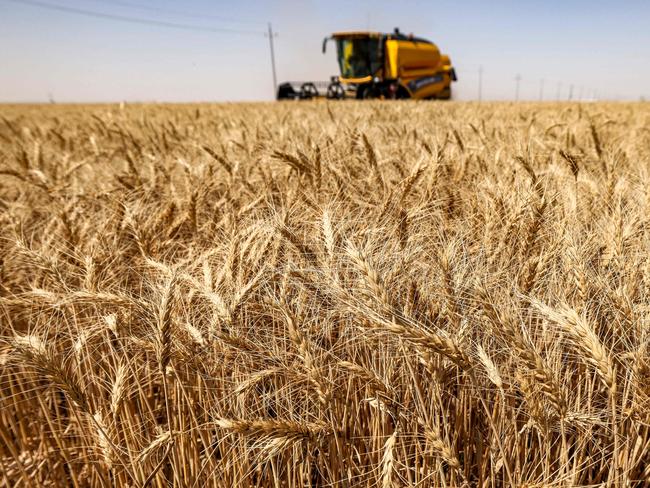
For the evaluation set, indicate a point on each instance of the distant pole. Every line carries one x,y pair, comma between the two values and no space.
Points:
275,80
518,80
559,90
480,83
541,89
570,92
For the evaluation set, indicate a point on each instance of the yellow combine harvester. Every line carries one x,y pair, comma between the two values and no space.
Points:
376,65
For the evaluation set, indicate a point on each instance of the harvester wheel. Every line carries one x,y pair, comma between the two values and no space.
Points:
368,92
308,90
402,93
335,91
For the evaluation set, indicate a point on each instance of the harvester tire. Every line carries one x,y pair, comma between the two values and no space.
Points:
335,91
308,90
368,92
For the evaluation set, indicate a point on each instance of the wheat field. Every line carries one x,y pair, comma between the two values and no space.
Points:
325,294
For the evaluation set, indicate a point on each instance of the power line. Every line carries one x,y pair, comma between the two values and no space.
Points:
133,20
195,15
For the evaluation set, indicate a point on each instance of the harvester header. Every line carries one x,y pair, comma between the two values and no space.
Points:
378,65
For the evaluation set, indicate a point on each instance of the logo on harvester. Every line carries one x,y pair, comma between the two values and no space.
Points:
416,85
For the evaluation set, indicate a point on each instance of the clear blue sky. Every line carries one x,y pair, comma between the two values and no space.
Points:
597,46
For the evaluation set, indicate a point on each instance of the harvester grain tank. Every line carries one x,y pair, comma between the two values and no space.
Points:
377,65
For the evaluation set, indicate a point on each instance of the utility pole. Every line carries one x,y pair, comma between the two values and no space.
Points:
541,89
570,92
480,83
518,80
559,91
275,80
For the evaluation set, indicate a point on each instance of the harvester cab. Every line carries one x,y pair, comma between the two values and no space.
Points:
376,65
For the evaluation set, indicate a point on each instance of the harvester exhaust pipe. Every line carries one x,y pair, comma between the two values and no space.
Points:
325,44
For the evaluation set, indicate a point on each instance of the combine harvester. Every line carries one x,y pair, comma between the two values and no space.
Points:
385,66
